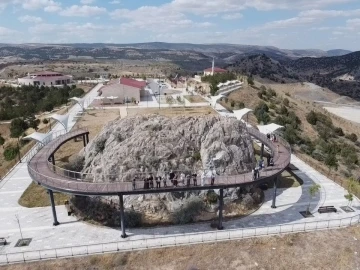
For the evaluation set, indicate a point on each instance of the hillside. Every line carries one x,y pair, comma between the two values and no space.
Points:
341,74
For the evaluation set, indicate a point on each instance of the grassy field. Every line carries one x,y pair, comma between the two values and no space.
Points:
174,111
195,99
327,250
36,196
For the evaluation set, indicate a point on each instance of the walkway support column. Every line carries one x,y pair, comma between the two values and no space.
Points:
84,140
262,151
273,205
53,207
221,203
122,216
87,138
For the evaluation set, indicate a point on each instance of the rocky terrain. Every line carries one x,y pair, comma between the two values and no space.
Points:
159,144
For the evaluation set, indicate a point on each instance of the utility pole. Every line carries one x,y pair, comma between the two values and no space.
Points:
18,221
18,146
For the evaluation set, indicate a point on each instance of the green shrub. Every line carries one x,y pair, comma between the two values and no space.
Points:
286,102
196,156
311,118
352,137
188,212
232,103
132,219
45,121
338,131
76,164
2,140
211,196
10,153
17,127
100,145
241,105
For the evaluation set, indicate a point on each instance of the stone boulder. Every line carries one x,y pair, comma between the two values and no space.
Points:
159,144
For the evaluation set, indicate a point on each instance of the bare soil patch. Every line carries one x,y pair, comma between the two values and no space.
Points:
334,249
195,99
173,111
94,121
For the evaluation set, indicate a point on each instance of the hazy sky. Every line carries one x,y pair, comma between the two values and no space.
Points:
292,24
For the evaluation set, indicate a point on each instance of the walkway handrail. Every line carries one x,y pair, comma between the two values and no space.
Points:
175,240
44,173
90,177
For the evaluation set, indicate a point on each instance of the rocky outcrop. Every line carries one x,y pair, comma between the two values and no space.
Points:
155,143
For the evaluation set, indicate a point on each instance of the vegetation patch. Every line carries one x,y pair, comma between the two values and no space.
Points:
37,196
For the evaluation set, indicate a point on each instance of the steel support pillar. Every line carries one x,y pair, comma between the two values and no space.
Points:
221,204
53,159
87,138
53,207
122,216
273,205
262,151
84,140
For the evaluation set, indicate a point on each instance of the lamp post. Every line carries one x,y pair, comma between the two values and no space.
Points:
18,146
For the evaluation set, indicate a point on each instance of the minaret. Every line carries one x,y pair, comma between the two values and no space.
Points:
213,66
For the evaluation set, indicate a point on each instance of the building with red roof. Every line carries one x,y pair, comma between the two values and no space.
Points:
211,71
124,89
46,78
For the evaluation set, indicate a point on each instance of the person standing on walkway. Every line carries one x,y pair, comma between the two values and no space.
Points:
188,179
134,182
182,178
158,181
203,179
151,181
194,179
164,180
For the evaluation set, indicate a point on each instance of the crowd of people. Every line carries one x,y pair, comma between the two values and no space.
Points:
171,180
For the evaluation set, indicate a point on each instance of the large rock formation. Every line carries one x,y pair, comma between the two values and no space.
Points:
157,144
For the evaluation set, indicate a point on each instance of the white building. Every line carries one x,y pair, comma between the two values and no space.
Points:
46,78
229,86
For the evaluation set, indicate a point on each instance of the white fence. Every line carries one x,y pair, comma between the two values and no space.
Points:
157,241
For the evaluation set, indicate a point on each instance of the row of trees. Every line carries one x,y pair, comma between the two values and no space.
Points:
29,100
217,78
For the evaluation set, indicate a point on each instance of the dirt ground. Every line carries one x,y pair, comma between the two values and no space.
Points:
89,68
173,112
326,250
94,121
195,99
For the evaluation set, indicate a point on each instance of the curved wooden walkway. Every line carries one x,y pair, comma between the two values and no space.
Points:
43,173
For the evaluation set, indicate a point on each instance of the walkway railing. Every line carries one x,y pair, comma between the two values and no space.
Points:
86,182
156,241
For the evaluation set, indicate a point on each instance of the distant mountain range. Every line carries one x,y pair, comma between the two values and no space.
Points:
339,70
183,52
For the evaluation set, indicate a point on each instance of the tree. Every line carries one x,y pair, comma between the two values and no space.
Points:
250,81
17,127
313,190
351,188
2,140
213,89
311,117
331,161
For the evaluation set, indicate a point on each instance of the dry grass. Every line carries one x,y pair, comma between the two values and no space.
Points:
335,249
36,196
289,180
174,111
94,121
195,99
